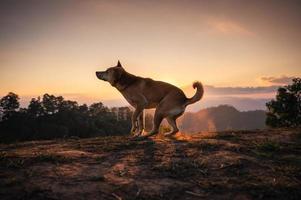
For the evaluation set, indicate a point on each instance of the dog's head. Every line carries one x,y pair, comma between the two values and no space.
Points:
112,74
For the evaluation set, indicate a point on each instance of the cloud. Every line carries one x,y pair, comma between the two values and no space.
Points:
226,91
239,90
229,27
242,98
278,80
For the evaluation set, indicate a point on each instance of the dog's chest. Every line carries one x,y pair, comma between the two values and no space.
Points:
135,99
130,98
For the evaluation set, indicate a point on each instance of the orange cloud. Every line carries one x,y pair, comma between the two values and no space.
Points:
278,80
229,27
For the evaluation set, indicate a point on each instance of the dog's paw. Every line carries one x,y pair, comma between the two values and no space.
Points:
169,134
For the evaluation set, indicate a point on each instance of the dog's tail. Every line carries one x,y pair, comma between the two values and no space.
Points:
198,95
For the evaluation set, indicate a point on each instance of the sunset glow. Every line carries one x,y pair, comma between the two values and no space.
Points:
56,46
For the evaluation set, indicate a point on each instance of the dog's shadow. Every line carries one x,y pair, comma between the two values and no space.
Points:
163,150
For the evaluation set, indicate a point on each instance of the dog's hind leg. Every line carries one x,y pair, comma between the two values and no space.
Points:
172,122
158,117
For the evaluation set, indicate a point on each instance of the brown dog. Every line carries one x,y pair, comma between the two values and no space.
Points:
143,93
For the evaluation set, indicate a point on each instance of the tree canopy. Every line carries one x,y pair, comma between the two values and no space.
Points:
9,104
54,117
285,109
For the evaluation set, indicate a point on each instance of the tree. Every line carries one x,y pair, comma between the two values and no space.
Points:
97,109
124,113
83,109
285,110
9,104
35,107
67,105
52,103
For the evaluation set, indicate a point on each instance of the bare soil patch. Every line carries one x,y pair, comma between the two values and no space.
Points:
261,164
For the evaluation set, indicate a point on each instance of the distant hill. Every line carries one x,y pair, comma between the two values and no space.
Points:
223,117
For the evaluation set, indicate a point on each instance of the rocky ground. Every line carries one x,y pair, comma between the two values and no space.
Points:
262,164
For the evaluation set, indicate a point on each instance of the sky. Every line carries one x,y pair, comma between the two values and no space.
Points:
56,46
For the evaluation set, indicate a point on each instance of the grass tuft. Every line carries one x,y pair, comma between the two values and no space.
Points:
268,145
183,168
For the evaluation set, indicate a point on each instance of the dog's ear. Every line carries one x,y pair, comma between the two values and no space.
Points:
119,64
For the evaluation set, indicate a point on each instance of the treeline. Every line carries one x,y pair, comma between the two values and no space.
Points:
52,117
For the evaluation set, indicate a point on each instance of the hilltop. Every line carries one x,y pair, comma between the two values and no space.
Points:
261,164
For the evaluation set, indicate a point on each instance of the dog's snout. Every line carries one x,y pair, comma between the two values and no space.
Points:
98,74
101,75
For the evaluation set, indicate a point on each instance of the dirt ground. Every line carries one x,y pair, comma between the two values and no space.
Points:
261,164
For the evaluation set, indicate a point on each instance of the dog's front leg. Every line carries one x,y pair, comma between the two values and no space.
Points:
135,115
140,123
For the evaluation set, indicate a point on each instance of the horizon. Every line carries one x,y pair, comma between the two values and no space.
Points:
244,98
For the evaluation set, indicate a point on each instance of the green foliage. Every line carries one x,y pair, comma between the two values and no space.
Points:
9,104
35,107
285,110
51,103
54,117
